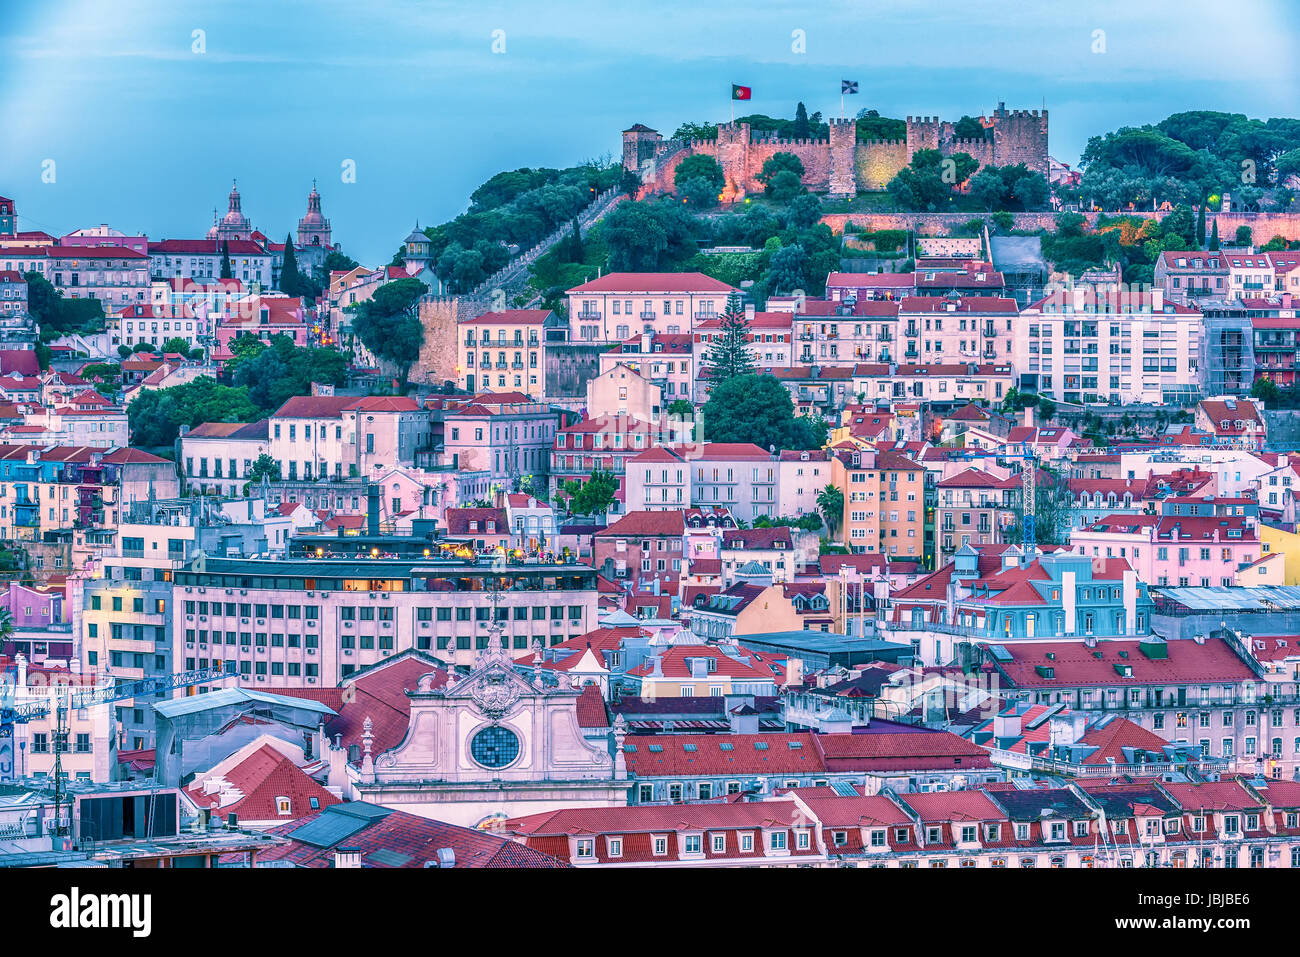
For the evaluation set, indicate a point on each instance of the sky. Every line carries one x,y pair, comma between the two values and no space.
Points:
140,113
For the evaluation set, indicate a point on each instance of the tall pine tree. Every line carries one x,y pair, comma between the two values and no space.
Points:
290,280
730,355
1214,235
802,128
226,272
1200,228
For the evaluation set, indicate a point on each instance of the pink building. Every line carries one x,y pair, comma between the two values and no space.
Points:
668,361
972,328
264,317
620,305
1205,542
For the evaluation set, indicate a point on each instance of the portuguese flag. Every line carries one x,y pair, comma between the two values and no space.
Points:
740,92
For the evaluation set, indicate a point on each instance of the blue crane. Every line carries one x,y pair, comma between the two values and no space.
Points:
67,699
1028,471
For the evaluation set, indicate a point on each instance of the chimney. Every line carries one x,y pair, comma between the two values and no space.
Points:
645,342
1157,300
347,857
749,312
1029,415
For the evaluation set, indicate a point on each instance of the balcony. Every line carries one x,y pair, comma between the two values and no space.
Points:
589,314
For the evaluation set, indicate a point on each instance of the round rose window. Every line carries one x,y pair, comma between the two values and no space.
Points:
494,747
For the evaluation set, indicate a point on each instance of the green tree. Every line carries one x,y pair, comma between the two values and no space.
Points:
681,408
699,192
226,271
1200,227
176,344
730,355
780,163
155,416
804,210
926,184
592,497
335,261
291,283
784,186
986,188
786,270
830,502
264,465
969,128
1046,409
388,323
759,410
801,130
1214,236
647,236
872,126
1070,225
1244,236
699,166
1267,391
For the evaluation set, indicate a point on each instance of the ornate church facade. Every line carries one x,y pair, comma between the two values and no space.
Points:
491,745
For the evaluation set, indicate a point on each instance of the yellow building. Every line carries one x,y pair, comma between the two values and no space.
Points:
503,351
884,502
1275,540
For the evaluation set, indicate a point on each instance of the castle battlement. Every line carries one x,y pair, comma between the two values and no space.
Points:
842,164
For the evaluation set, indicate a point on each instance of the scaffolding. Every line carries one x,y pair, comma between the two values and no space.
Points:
1227,356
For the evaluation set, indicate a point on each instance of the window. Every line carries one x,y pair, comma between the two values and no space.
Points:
660,845
586,848
777,841
615,846
693,844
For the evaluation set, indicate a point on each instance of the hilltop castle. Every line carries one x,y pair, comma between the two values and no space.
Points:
840,164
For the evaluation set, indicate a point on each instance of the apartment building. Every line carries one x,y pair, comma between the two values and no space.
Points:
1206,542
845,331
201,259
956,329
738,477
1210,692
289,623
1084,346
669,362
618,306
503,351
884,502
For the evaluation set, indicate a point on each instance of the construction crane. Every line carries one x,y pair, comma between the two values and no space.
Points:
69,701
1029,477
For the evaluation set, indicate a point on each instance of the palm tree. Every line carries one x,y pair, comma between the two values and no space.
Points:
830,501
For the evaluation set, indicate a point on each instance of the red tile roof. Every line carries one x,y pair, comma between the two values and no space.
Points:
654,282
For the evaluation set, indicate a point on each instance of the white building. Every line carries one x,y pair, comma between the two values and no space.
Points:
1086,347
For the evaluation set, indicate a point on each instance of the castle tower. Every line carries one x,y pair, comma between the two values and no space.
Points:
314,228
640,143
922,134
1020,136
843,146
733,157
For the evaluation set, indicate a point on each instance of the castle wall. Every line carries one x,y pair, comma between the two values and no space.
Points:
439,316
1264,226
841,165
875,163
